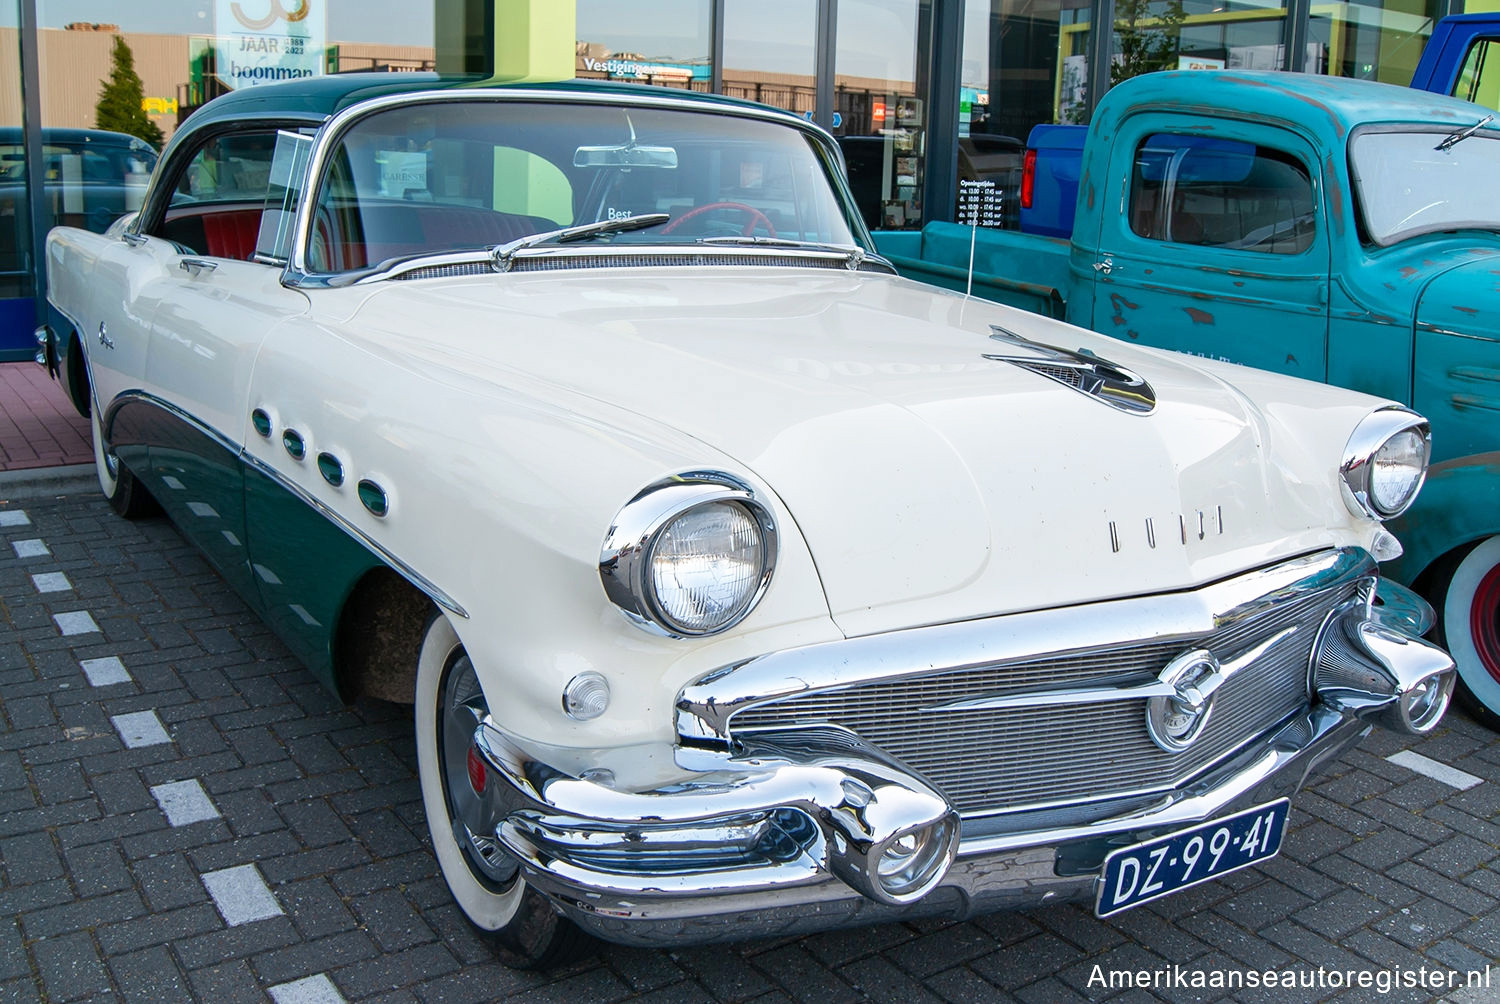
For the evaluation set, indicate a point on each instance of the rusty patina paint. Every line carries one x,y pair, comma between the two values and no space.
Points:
1198,316
1409,272
1471,311
1118,305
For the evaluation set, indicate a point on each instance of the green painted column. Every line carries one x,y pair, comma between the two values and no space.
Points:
535,39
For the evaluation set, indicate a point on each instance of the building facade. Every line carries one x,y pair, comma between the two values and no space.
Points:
920,93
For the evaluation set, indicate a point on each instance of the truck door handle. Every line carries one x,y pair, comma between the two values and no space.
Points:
1104,265
197,266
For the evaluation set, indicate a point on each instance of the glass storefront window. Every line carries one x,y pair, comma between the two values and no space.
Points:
880,107
1023,66
661,42
1381,40
769,52
16,304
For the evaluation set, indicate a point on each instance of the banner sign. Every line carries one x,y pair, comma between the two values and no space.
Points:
263,41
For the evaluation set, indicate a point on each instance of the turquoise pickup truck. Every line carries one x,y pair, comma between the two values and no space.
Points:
1338,230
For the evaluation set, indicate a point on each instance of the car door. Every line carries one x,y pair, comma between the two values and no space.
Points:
1219,246
211,306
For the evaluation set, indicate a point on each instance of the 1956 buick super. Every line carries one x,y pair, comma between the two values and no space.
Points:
740,586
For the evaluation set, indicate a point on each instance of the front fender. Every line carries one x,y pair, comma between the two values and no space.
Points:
1459,503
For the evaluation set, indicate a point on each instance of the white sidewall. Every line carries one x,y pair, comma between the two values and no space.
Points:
487,910
1456,627
108,483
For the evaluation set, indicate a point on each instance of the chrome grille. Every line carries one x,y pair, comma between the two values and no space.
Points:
999,760
447,271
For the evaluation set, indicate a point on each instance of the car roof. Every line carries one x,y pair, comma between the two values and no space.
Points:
316,98
1329,107
61,134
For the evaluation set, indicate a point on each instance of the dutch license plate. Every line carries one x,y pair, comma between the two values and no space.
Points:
1139,874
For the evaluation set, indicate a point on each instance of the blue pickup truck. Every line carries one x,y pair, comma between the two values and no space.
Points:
1339,230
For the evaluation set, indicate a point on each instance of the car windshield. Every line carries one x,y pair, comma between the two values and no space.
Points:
1411,182
451,176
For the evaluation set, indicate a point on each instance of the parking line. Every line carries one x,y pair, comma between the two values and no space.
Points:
75,622
317,989
105,671
14,517
184,802
241,895
51,582
140,728
1451,776
33,548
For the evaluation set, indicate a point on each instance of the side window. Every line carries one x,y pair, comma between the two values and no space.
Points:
217,199
1479,80
1221,193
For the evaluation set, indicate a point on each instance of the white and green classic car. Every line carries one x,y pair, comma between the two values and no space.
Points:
740,586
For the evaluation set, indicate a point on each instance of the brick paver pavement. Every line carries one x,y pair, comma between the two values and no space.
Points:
186,814
39,427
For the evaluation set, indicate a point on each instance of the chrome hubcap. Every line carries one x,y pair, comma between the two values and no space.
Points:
463,708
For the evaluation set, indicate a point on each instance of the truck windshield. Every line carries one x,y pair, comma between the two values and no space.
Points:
1406,184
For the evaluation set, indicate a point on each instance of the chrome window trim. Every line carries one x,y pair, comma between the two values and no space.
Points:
705,707
624,557
1374,431
297,273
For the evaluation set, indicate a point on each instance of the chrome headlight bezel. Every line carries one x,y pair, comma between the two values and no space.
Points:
1374,432
625,559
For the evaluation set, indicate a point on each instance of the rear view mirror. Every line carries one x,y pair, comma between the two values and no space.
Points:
628,155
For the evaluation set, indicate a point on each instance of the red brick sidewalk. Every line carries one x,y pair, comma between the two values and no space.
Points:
38,424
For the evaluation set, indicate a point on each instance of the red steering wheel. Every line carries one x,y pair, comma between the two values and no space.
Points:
756,217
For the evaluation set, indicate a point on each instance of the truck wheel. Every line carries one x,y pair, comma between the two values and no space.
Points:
521,925
124,493
1470,611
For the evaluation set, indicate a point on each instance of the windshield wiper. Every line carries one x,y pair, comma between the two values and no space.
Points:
852,253
1450,141
502,254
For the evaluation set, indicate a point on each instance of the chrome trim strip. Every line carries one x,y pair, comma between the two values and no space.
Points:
411,575
1106,382
705,706
297,273
708,253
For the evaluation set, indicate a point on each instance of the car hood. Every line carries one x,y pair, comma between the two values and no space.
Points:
930,483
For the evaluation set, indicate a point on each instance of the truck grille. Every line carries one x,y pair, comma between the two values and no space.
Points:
990,760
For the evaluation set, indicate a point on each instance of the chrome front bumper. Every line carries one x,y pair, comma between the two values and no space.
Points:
787,832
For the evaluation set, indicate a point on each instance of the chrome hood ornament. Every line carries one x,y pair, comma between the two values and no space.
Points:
1176,721
1082,371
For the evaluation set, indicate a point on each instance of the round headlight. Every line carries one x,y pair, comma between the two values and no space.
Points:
1385,463
1397,471
706,567
690,555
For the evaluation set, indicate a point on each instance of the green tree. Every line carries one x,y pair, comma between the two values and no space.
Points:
119,107
1147,41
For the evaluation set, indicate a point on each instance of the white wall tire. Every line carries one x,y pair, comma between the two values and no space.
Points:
124,493
1471,629
524,929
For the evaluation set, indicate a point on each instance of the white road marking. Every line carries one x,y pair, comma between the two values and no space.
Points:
184,802
33,548
317,989
14,517
140,728
75,622
241,895
1451,776
51,582
103,672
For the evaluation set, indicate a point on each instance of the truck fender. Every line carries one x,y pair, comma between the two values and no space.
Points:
1452,537
1459,504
